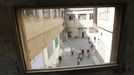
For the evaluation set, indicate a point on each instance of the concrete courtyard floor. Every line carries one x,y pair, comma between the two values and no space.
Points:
69,60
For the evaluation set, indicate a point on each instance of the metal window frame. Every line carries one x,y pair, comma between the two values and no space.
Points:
118,66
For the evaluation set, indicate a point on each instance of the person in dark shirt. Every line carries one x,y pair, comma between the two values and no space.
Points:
60,59
72,51
87,52
82,51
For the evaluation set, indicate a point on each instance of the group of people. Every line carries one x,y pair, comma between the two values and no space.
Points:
81,54
91,45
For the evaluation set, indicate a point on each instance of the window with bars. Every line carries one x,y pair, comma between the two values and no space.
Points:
59,13
62,14
71,16
46,13
82,16
30,12
54,13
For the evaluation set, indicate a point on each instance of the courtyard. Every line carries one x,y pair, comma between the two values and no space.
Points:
69,60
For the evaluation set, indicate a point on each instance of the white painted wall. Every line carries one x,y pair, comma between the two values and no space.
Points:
107,24
41,61
104,43
38,62
53,60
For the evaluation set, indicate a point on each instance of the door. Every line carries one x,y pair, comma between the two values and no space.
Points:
82,34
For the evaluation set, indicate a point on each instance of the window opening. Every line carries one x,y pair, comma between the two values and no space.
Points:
73,44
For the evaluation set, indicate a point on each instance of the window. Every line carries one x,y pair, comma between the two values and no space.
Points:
92,30
82,16
30,12
104,14
62,13
59,13
41,41
38,61
50,49
90,16
71,16
56,42
46,13
54,13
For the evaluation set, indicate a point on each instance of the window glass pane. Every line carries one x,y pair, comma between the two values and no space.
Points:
66,37
56,42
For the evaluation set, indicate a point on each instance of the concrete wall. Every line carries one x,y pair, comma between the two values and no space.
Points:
10,60
73,25
37,32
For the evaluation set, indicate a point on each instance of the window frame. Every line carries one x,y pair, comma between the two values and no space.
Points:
71,17
30,13
55,15
44,11
116,66
90,16
62,14
82,16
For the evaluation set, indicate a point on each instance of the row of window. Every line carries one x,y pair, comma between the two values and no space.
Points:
55,13
30,12
104,14
80,16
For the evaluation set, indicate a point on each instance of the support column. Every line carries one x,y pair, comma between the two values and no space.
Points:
95,18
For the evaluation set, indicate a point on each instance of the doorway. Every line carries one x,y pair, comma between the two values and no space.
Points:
82,34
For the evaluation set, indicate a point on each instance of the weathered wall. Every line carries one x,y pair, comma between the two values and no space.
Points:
38,31
10,60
